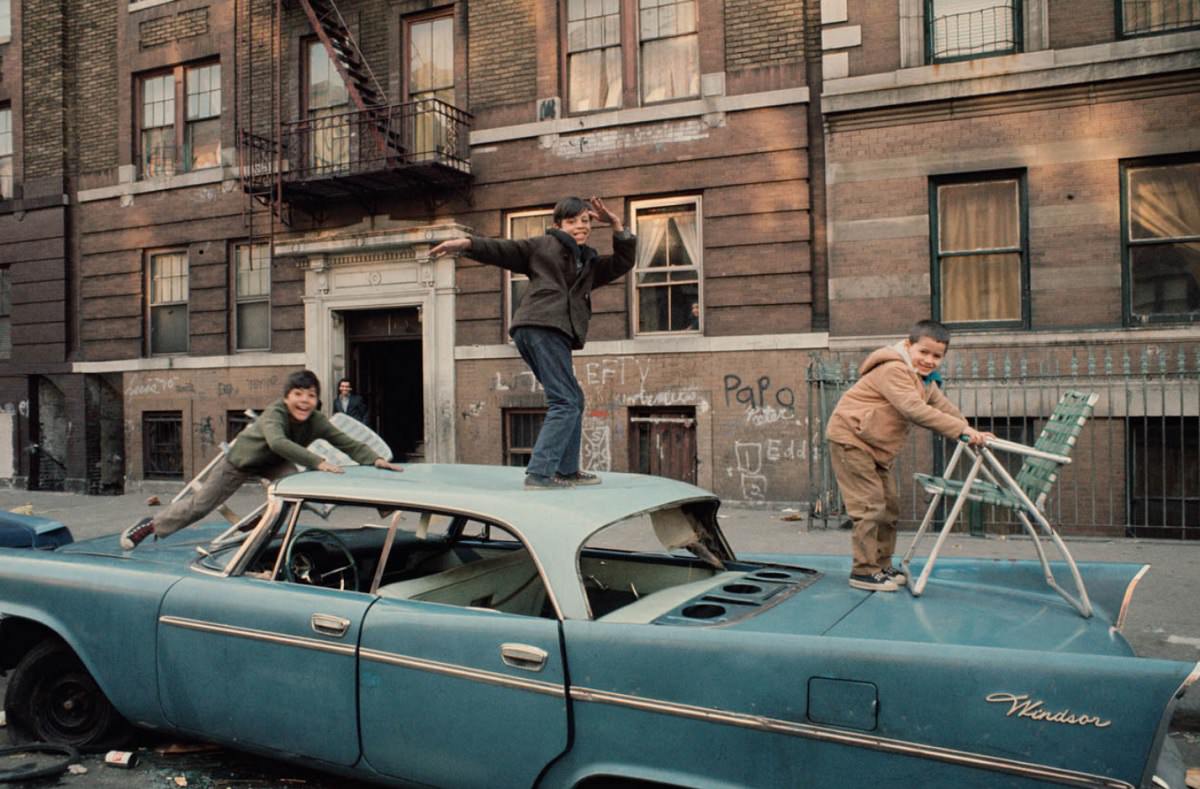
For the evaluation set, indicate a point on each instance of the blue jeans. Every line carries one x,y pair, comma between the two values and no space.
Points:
548,354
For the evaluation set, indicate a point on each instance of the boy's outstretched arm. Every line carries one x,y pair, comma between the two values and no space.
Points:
939,401
609,267
362,453
504,253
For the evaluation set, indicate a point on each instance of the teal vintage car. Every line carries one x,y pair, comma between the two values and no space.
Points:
444,627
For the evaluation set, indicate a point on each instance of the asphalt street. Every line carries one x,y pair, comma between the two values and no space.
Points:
1163,622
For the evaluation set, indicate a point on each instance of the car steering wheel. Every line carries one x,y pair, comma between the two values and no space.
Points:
302,567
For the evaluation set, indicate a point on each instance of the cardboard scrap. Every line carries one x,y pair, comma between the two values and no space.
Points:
1193,778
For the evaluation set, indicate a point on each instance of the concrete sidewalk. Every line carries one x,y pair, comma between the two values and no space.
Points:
1163,620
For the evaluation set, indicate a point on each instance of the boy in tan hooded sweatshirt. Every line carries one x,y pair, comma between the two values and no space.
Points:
897,386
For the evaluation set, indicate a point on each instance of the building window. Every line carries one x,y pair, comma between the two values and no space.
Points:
6,153
979,256
168,289
326,102
670,50
252,289
162,444
5,20
431,80
1148,17
961,29
1164,477
236,422
180,138
521,427
593,55
1161,239
523,224
5,313
667,272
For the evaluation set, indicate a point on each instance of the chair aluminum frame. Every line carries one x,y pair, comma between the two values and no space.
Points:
1080,600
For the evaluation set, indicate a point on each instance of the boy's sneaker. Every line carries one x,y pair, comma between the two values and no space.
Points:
876,582
539,482
580,478
136,533
896,574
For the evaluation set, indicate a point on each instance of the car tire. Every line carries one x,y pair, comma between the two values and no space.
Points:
52,698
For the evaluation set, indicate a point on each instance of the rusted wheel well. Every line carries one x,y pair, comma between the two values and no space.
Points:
18,636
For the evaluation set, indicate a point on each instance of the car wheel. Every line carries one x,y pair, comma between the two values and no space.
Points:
51,697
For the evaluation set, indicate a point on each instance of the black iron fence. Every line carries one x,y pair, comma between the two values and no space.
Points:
1135,469
972,33
1139,17
360,142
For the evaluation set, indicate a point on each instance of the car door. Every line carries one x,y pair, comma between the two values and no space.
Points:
460,695
268,663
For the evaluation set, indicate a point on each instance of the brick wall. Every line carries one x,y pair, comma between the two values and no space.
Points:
879,201
503,61
42,63
880,49
750,410
173,27
93,79
763,33
1078,23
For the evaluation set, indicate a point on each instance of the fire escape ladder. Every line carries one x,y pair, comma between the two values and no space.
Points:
362,86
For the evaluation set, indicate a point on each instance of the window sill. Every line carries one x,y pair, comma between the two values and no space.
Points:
209,175
1047,68
142,5
691,342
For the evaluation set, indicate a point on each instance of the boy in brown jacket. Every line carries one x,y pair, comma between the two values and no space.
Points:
897,385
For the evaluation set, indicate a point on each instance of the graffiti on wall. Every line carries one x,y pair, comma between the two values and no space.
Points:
596,446
764,403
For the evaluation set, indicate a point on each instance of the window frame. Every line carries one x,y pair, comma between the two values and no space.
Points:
640,42
7,37
1122,33
6,308
406,23
509,277
148,284
935,254
635,303
162,416
631,60
1128,317
11,156
1018,24
506,447
180,124
237,299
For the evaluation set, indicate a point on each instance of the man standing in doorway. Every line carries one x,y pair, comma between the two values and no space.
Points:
348,403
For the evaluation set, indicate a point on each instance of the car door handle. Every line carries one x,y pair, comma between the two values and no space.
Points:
523,656
329,625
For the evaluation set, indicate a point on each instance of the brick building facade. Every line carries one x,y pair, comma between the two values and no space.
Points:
781,160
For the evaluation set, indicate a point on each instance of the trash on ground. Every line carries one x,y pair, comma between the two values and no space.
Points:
1193,777
76,769
180,780
153,501
125,759
177,748
24,509
3,719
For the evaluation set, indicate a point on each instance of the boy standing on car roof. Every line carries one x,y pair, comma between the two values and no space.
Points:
272,446
552,320
897,386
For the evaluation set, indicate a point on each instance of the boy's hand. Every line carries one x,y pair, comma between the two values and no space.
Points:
978,438
330,467
383,464
455,246
601,213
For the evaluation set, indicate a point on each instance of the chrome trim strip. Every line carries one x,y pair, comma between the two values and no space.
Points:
1120,623
808,731
1191,679
462,672
257,635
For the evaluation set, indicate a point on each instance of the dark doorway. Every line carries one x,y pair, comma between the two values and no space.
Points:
385,368
48,466
662,441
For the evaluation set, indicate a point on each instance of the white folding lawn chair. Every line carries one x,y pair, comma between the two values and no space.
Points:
1024,494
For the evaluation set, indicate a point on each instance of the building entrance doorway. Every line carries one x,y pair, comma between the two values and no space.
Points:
385,366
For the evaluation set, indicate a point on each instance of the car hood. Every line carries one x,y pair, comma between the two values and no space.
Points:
177,549
968,602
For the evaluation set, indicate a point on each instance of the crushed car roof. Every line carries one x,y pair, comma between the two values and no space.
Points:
496,493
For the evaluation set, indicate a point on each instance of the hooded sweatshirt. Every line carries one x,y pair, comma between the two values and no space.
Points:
875,413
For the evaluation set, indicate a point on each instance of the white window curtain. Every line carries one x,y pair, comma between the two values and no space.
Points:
982,220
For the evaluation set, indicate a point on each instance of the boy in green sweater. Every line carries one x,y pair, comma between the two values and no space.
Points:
271,447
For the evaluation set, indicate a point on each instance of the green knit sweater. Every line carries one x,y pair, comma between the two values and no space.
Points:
275,436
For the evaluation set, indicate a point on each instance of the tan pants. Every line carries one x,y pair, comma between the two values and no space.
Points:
869,492
221,482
